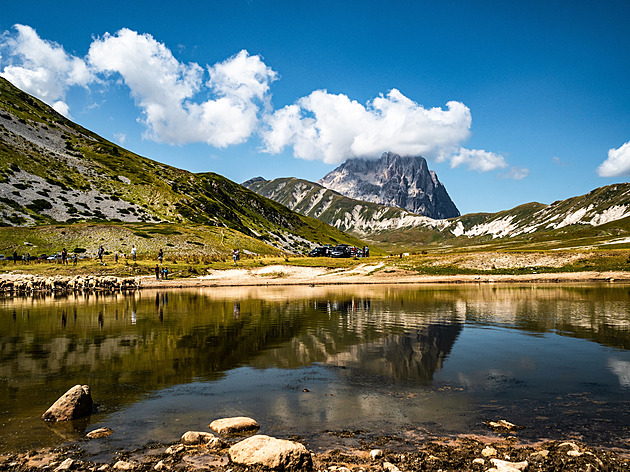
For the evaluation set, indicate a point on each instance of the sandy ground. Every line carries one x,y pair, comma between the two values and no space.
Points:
366,274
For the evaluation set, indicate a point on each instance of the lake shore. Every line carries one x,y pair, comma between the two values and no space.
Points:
366,274
393,454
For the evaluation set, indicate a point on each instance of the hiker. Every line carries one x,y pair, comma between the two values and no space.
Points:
165,273
160,256
157,272
133,252
75,259
101,251
235,255
15,257
64,256
116,257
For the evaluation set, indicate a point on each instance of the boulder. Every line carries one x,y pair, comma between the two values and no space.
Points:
193,438
75,403
265,451
236,425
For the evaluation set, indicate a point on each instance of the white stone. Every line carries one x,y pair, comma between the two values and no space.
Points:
265,451
124,465
191,438
237,424
389,467
65,465
376,454
505,466
489,451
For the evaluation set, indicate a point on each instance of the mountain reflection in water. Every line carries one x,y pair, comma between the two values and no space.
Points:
193,355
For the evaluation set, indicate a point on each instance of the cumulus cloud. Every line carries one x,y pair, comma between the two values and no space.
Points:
515,173
479,160
165,89
42,68
333,128
223,104
618,162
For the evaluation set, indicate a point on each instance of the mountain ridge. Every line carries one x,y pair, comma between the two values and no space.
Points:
53,171
393,180
607,206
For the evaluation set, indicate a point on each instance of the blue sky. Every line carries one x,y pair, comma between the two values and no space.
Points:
510,102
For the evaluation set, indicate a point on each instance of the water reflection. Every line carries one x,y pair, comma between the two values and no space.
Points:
371,346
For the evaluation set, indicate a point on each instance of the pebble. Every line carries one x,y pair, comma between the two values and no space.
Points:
389,467
65,465
376,454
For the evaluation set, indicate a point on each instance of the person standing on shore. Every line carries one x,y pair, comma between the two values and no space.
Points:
15,256
101,251
157,272
133,252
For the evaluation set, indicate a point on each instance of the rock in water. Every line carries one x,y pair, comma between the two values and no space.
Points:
238,424
265,451
75,403
393,180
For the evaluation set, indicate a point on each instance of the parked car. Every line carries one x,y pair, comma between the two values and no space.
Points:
321,251
341,250
54,257
42,257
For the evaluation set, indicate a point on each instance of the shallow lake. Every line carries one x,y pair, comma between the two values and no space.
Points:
380,360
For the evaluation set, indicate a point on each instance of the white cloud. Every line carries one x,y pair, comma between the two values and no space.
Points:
165,88
42,68
618,162
333,128
478,159
222,104
120,138
515,173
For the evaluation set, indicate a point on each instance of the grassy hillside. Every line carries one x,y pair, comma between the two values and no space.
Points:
53,171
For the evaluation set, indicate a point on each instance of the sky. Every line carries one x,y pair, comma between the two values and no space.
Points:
510,102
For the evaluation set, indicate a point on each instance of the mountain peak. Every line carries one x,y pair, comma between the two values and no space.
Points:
393,180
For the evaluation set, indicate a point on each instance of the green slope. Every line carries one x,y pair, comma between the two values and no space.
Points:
54,171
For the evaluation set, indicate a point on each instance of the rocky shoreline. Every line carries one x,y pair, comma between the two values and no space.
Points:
198,451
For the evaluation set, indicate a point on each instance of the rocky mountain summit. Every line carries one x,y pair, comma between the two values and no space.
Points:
393,180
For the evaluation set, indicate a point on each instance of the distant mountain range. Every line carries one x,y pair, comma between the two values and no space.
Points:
54,171
600,217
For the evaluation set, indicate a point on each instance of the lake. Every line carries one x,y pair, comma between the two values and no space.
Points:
421,361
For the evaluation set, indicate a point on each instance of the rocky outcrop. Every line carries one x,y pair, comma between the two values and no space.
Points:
393,180
272,453
75,403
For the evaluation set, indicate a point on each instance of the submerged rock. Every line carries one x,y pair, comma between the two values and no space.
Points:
265,451
75,403
100,433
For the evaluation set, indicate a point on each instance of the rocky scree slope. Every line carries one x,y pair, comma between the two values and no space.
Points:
359,217
53,170
602,215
